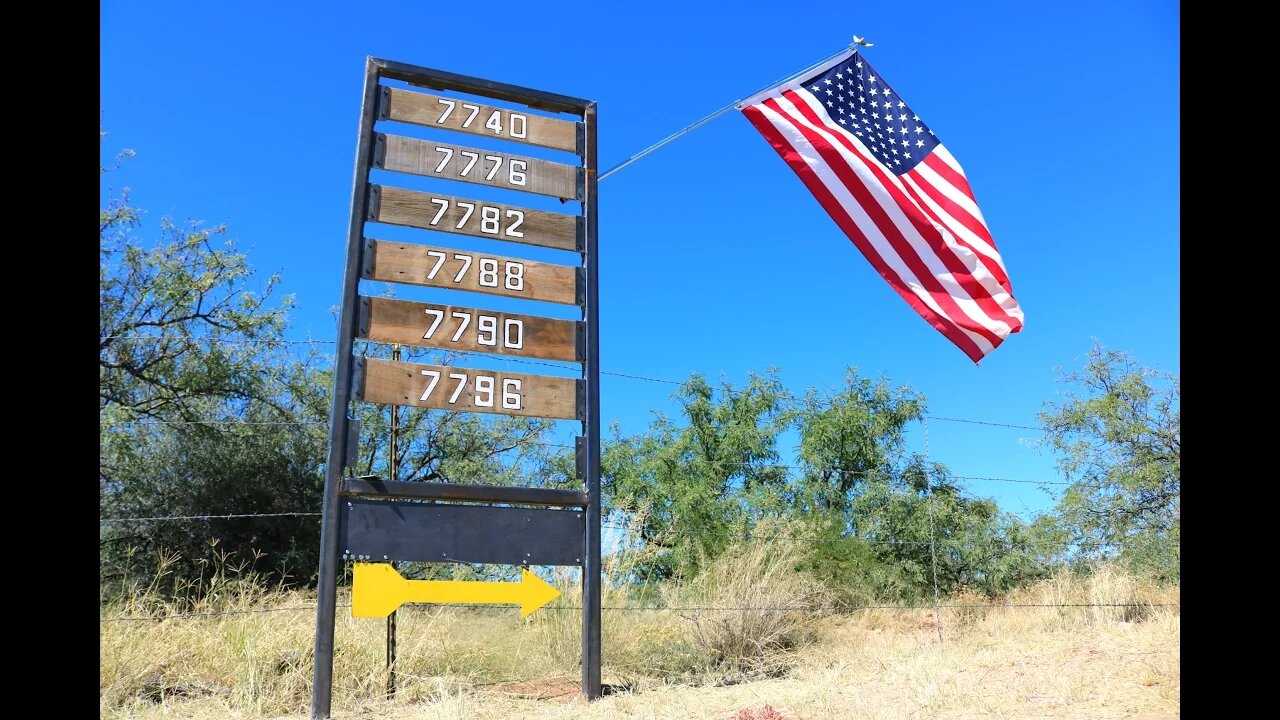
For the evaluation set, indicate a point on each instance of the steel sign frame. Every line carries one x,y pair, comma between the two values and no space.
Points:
342,426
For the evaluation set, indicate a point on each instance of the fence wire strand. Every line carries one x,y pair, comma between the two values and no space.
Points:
666,608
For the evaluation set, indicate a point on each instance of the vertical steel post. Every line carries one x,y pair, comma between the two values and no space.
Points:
327,589
393,475
591,562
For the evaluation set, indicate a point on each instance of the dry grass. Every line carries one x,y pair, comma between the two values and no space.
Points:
997,661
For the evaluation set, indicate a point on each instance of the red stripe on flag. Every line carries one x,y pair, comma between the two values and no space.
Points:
792,157
931,236
949,174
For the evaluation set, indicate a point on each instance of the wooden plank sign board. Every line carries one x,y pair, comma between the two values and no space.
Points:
399,262
473,165
459,328
481,218
477,118
444,387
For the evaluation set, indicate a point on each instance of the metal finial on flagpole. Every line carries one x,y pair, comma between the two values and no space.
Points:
735,104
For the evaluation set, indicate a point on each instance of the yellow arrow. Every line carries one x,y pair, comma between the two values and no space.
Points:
378,590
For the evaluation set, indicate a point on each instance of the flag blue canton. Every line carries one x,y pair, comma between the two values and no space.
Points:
860,101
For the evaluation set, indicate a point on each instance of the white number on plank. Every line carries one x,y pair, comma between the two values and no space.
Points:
472,163
514,121
435,378
470,207
439,256
447,110
487,324
515,276
474,109
466,263
484,391
511,394
462,382
511,229
488,272
489,269
448,155
444,207
514,176
438,315
466,319
491,218
485,386
486,328
517,124
513,334
497,163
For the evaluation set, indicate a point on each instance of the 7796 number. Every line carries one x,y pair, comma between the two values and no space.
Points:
484,392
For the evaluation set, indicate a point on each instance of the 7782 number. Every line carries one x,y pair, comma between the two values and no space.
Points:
484,389
490,217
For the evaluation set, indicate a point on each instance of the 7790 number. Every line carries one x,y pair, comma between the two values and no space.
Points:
512,334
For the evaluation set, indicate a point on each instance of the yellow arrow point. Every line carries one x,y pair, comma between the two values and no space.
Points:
377,590
534,592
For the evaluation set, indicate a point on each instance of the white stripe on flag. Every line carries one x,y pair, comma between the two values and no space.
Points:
945,156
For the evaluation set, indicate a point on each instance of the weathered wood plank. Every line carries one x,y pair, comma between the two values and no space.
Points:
432,266
485,331
473,165
442,387
481,218
467,116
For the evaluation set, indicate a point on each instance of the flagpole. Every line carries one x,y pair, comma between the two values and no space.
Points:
694,126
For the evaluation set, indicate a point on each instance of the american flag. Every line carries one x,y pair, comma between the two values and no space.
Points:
896,192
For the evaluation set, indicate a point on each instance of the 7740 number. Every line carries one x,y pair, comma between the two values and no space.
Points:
517,124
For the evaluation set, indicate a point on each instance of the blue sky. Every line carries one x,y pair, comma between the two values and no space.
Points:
714,257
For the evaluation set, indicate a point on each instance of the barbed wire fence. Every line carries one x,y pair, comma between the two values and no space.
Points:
934,542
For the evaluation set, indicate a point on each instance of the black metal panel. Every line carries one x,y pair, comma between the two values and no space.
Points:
377,487
384,530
